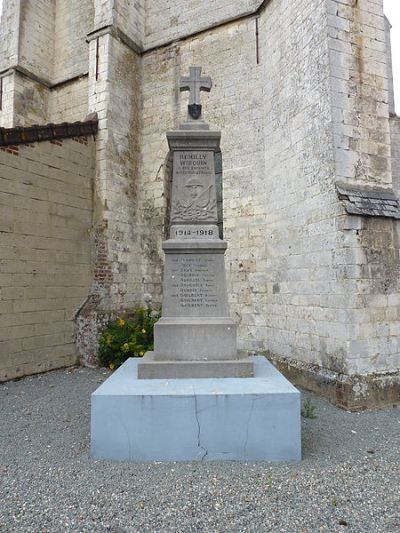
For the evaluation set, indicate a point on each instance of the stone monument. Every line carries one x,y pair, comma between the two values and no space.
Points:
155,409
195,338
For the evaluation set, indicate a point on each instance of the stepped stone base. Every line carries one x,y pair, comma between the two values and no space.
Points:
188,339
149,368
246,419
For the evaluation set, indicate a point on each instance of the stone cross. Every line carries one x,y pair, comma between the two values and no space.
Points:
194,83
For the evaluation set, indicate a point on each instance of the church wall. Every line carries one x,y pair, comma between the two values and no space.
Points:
36,40
118,247
115,96
301,105
10,34
8,58
73,21
389,62
69,102
279,197
361,99
298,267
30,101
291,303
360,91
103,13
395,136
46,206
228,55
27,49
7,101
130,18
168,20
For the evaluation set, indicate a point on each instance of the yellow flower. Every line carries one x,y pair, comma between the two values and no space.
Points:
125,347
143,330
121,322
111,366
141,353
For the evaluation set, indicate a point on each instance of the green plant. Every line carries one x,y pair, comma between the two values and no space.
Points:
308,409
127,337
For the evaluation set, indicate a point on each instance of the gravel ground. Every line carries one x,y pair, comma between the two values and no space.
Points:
348,480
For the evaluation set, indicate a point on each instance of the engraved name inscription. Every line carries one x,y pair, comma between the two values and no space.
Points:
194,282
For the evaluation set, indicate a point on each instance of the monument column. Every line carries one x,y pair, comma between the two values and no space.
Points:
195,338
255,417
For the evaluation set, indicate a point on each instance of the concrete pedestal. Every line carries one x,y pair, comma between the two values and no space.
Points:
245,419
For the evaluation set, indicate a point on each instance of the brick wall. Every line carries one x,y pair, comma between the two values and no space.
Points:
45,271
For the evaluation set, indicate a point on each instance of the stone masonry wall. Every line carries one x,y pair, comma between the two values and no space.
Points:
168,20
45,271
395,135
363,156
36,40
115,97
8,57
302,103
389,62
45,42
7,101
30,101
103,13
74,20
360,91
9,34
295,306
226,55
279,197
114,94
301,277
130,18
69,102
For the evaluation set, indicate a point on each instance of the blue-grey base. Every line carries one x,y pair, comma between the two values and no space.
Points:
230,419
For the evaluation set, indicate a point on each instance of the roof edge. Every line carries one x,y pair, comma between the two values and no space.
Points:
48,132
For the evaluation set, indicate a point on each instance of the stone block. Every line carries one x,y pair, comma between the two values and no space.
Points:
246,419
195,339
150,368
